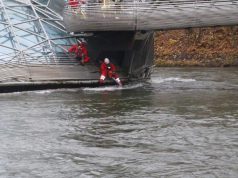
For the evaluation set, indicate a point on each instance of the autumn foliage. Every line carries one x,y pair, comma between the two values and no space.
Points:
217,46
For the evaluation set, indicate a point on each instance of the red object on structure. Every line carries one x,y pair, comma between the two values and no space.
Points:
80,51
109,70
73,3
105,71
74,49
84,53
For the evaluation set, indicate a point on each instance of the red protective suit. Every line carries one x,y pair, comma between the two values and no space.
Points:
80,51
73,3
109,70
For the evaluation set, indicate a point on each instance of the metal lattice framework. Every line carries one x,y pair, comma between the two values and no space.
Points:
31,33
118,15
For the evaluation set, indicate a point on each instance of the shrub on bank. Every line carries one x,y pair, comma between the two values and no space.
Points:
212,47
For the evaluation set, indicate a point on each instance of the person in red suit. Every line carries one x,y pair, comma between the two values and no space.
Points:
73,3
80,51
77,6
108,69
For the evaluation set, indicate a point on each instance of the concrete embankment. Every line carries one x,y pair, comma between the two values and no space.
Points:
39,77
42,85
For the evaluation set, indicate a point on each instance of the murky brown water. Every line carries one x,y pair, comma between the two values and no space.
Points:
183,123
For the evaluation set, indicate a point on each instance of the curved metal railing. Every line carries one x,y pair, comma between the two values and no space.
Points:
31,34
148,14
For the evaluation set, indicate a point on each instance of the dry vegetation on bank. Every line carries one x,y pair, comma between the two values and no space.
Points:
213,47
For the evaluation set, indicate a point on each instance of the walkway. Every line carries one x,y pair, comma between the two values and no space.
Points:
150,15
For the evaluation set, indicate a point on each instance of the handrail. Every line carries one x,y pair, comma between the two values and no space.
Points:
149,14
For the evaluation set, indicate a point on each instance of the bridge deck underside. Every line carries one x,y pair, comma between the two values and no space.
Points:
150,15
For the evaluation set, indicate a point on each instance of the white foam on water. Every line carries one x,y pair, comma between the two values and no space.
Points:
96,89
43,91
40,92
55,90
171,79
11,94
113,88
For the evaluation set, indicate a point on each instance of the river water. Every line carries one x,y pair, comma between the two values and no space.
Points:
181,123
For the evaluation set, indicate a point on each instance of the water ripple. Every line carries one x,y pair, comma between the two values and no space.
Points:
151,130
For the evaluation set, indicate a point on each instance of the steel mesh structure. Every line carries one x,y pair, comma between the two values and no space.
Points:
31,33
108,15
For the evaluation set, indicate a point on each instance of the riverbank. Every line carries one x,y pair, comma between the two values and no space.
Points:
205,47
